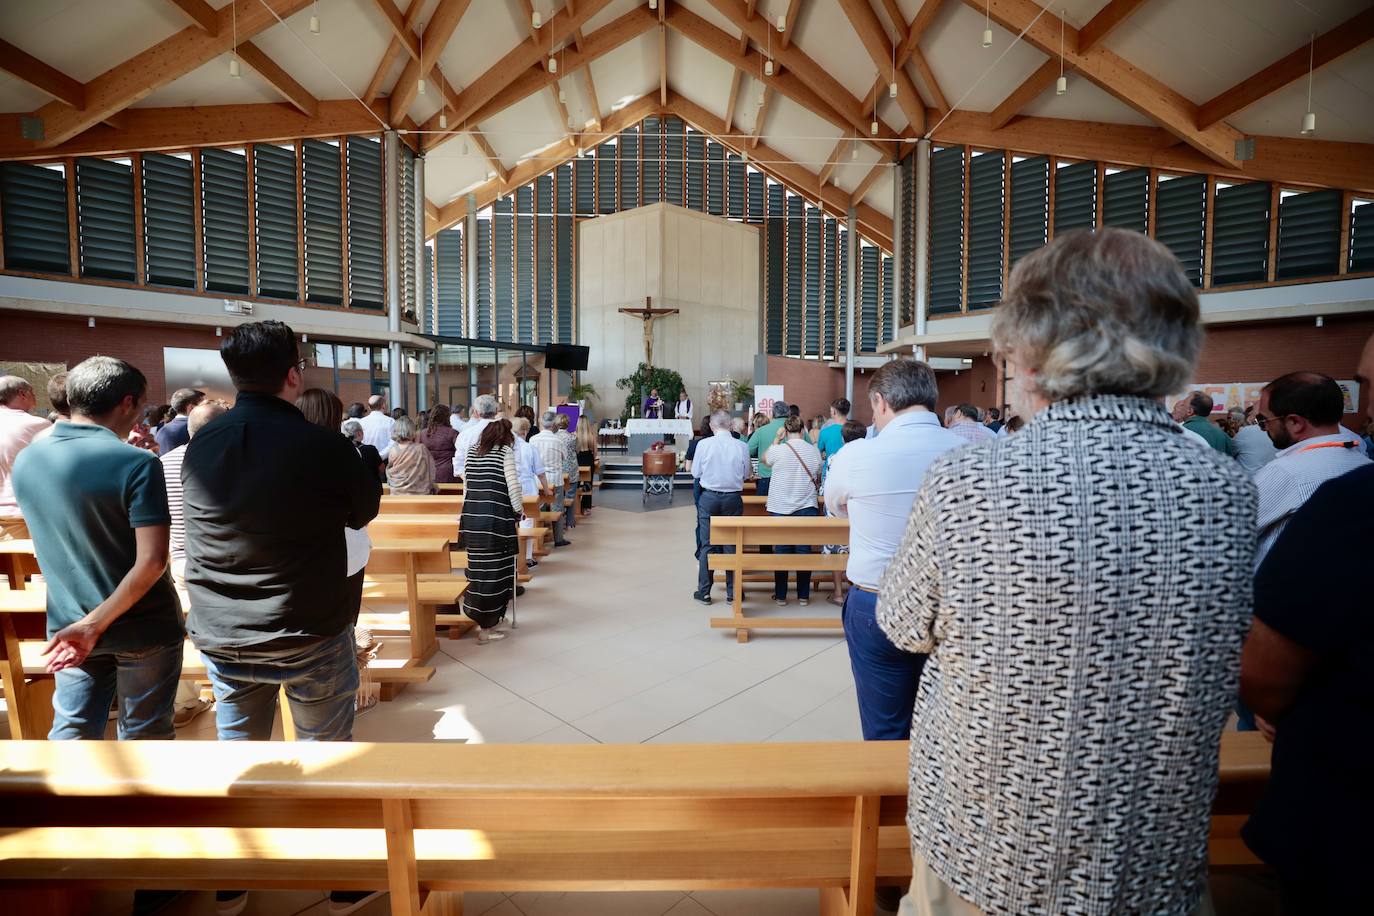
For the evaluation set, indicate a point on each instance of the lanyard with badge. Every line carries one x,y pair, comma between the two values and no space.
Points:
1344,443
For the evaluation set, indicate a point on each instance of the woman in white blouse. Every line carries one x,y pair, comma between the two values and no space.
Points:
796,465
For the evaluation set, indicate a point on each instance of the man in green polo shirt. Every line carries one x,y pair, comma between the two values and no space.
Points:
1199,408
764,438
97,511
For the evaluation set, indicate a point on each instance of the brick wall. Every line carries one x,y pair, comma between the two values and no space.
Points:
812,385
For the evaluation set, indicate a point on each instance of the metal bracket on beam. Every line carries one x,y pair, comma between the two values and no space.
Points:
1245,149
31,128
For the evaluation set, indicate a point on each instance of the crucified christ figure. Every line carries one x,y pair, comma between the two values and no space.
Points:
648,314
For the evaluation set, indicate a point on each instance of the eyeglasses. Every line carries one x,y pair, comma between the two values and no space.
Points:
1262,420
300,364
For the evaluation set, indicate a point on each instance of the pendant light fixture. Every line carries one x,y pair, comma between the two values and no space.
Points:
315,18
873,126
768,62
782,23
854,150
234,57
562,95
1061,85
987,23
892,86
553,64
463,147
653,4
443,118
420,83
536,20
1309,120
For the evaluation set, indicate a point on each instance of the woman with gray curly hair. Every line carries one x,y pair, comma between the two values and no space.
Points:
409,465
1083,648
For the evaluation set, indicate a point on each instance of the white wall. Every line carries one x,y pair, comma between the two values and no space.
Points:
705,266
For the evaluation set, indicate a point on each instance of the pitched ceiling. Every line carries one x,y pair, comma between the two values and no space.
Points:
827,79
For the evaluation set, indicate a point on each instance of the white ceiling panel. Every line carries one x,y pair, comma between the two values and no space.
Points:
953,47
825,34
707,11
524,128
84,38
879,196
338,62
797,133
613,11
1083,101
694,70
850,171
449,173
1342,97
627,73
211,84
487,32
17,95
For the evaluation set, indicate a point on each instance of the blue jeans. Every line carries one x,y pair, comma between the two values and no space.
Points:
320,678
713,503
803,578
144,680
884,676
761,486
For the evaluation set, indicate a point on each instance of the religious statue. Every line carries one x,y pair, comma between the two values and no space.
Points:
648,314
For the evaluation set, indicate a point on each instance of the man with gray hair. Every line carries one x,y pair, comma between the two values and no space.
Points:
484,410
174,434
18,428
874,482
553,454
763,439
98,513
377,425
721,465
964,424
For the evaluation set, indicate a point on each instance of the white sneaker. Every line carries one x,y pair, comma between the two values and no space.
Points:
492,635
185,715
804,602
780,602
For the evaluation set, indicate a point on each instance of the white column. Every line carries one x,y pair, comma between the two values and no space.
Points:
922,242
851,272
470,270
391,181
899,231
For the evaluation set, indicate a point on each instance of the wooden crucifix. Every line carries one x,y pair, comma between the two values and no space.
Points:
648,314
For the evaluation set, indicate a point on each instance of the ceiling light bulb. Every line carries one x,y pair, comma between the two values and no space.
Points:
987,38
1309,123
536,20
314,25
562,96
782,22
768,68
892,90
234,67
463,149
420,85
873,128
443,120
653,4
854,151
1061,85
553,65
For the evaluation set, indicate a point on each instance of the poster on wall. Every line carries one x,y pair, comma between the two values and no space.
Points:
765,396
1350,392
1242,394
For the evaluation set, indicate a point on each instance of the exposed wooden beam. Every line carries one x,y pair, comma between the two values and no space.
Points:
591,94
153,129
861,190
140,76
535,77
828,170
400,28
555,87
438,31
883,54
1344,38
1105,22
390,56
921,21
662,57
734,98
201,13
757,133
29,69
937,95
279,79
793,10
909,48
1029,90
744,33
480,140
1168,108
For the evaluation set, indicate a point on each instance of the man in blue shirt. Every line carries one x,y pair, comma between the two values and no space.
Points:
720,465
831,439
174,433
97,511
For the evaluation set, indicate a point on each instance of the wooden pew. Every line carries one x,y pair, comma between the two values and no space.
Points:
435,525
418,573
755,506
741,532
430,821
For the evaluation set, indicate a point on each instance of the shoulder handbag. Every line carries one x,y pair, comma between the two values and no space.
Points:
815,479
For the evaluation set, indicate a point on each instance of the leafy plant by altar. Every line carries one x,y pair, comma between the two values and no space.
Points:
644,379
583,391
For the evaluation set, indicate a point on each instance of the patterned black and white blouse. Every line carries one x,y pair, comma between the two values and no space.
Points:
1083,588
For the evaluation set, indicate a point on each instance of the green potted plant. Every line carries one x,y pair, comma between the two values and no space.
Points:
744,392
582,393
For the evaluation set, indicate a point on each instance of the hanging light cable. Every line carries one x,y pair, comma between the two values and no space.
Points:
234,57
1061,85
1309,120
768,62
987,23
873,127
892,86
315,18
420,83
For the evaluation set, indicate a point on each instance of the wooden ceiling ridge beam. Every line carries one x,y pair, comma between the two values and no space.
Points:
796,83
882,52
1344,38
535,77
440,28
46,79
909,50
401,29
1105,69
393,51
144,73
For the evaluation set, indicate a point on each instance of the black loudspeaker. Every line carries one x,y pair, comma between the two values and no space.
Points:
567,357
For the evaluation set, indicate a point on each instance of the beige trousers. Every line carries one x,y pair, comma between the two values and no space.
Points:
931,896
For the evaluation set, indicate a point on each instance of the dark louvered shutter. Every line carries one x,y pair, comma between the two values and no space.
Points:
735,178
985,199
1309,235
484,304
605,178
694,172
320,181
448,255
366,262
674,170
715,178
1075,197
1181,221
757,183
105,218
870,284
842,289
828,285
524,264
1030,187
563,247
503,263
35,217
1126,200
224,219
406,242
427,317
946,229
584,177
775,234
1361,235
275,190
1240,234
653,161
888,300
543,259
169,232
796,273
815,246
629,168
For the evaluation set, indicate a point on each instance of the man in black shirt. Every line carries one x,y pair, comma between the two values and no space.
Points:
267,496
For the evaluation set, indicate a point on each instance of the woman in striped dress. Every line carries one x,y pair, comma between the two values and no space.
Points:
492,501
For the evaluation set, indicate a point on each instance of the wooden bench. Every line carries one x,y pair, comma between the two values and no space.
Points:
756,506
435,525
740,532
428,822
418,573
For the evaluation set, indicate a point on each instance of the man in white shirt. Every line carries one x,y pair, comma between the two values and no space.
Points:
721,464
874,482
553,453
484,410
1301,412
377,425
964,424
455,417
18,428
